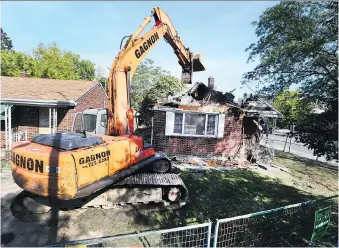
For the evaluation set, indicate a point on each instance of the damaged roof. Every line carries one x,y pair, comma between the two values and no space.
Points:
202,98
199,95
256,108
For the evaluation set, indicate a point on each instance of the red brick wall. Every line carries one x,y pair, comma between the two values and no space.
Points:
94,99
24,117
228,145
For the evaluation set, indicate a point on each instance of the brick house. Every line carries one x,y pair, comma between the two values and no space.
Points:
205,122
31,106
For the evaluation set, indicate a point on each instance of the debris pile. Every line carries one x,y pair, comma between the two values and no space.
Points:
228,162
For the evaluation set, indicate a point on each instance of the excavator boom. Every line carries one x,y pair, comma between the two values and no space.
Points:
134,51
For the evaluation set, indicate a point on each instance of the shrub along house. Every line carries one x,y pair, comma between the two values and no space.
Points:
206,122
31,106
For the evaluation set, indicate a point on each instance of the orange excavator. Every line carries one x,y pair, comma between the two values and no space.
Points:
105,164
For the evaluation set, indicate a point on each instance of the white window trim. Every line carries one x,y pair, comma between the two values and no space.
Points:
182,134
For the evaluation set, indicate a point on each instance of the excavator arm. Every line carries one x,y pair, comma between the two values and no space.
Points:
120,114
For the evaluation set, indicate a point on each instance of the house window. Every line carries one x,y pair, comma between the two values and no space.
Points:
178,121
195,124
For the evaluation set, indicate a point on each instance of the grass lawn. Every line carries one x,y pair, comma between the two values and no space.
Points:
216,195
316,177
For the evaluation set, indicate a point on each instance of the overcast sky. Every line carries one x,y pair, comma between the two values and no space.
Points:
220,30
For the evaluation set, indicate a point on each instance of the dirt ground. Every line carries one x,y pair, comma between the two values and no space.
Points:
213,195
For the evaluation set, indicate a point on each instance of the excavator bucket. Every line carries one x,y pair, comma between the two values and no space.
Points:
198,65
198,62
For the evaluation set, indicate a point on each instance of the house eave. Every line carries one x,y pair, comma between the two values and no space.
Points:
38,103
178,110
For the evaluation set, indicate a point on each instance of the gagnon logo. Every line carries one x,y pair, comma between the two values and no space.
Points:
147,44
28,163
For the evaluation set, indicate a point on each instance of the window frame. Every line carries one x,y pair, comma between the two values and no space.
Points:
216,124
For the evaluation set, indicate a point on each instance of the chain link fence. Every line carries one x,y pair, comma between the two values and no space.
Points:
188,236
291,225
297,225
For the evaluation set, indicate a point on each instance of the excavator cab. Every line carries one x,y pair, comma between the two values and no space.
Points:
94,121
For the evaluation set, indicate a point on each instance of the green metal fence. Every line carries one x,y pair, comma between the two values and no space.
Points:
310,223
291,225
188,236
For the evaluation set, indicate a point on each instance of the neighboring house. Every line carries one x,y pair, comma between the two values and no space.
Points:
31,106
206,122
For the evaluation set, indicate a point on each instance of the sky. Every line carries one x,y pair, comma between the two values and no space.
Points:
220,30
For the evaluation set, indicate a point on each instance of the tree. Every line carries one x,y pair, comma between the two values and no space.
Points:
47,62
297,44
6,42
165,85
54,63
293,106
143,79
13,63
84,68
151,84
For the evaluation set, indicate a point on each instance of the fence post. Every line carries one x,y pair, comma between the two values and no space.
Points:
215,238
209,234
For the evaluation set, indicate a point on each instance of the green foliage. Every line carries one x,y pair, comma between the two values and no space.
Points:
6,42
293,106
13,63
297,44
152,81
103,81
85,69
151,84
165,85
54,63
144,77
47,62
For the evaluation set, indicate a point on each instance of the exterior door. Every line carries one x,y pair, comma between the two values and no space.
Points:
44,121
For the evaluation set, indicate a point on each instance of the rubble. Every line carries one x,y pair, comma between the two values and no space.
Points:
227,162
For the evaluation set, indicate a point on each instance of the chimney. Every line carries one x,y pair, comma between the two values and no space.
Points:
24,74
211,83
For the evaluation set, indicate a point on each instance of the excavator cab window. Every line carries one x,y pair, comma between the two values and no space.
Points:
89,122
103,121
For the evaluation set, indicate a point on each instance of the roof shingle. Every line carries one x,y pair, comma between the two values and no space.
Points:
44,89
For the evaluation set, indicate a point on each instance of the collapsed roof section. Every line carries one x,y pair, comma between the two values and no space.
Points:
199,95
202,98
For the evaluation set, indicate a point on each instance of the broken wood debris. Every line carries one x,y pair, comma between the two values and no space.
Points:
208,162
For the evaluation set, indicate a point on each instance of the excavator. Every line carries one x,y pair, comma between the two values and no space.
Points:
105,164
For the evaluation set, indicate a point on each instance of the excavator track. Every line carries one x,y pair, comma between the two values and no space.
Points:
132,187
